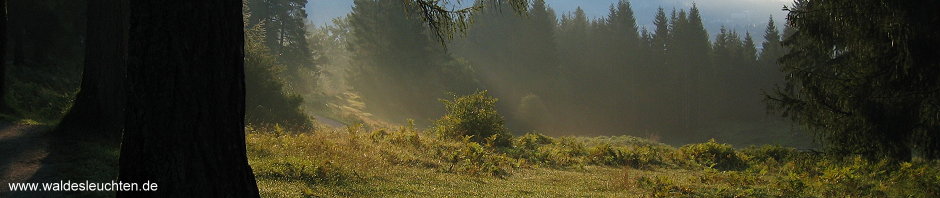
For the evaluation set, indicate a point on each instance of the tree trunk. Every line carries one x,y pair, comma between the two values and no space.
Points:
184,127
4,107
98,111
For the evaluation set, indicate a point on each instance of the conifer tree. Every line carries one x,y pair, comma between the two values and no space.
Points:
661,34
771,48
285,35
399,69
863,78
749,50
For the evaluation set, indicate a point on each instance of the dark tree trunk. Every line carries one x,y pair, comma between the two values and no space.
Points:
98,111
185,112
4,107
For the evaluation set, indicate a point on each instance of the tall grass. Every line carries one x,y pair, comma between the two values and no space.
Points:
356,161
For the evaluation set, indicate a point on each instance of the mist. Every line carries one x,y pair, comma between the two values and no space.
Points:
560,73
451,98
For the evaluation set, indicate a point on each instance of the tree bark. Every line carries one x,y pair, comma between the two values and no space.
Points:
4,107
184,127
98,111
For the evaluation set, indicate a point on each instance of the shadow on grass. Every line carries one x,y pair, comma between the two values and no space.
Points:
75,159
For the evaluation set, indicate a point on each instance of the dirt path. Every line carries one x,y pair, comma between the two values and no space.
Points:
23,149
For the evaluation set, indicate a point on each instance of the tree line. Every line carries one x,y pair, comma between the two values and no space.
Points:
820,69
861,75
575,74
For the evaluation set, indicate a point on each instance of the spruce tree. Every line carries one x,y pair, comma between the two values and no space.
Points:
285,34
771,48
399,69
749,50
863,78
661,34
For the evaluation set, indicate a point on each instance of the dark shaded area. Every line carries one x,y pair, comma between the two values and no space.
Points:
863,76
67,157
4,106
185,108
98,110
44,56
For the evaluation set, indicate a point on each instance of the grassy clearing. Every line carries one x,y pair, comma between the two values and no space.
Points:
405,162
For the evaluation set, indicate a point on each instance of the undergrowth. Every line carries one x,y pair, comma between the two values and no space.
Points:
354,156
471,143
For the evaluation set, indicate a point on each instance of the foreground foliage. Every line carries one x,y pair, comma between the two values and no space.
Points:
407,161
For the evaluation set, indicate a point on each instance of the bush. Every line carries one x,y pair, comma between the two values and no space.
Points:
921,175
768,152
643,156
527,146
565,152
711,154
474,159
531,141
604,154
406,135
474,116
636,157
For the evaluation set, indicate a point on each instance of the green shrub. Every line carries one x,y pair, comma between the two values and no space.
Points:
635,157
924,176
556,155
622,140
544,150
711,154
474,159
474,116
406,135
604,154
527,146
531,141
849,178
644,156
767,152
854,176
566,152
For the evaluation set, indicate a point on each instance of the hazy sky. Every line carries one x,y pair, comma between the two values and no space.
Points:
740,15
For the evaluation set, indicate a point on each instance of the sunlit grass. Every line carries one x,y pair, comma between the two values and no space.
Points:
403,162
